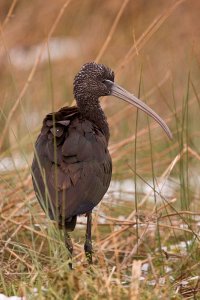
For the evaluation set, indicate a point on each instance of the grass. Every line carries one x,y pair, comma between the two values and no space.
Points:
143,249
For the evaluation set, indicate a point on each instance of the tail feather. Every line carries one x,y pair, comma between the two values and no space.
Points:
70,224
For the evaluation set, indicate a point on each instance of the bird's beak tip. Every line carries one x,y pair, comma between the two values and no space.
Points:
121,93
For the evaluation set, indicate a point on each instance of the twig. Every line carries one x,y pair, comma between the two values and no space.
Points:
19,258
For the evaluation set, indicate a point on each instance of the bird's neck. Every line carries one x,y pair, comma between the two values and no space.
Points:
91,110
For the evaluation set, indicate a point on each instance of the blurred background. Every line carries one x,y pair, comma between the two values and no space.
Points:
163,58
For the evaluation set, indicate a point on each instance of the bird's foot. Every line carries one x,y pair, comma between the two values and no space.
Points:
70,265
68,243
88,250
69,246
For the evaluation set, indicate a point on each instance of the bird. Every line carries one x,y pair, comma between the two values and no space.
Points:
72,167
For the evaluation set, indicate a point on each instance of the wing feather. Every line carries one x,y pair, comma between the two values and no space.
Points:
80,172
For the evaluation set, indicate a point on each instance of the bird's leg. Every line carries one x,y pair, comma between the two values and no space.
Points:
88,239
69,245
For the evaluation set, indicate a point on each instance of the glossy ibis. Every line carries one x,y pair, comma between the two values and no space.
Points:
72,167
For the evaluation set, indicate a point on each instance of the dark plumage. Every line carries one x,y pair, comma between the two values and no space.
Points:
72,167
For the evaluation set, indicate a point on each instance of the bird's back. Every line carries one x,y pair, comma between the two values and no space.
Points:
74,178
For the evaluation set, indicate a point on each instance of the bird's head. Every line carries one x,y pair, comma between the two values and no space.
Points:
92,79
97,80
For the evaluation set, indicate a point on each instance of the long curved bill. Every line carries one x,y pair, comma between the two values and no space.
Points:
121,93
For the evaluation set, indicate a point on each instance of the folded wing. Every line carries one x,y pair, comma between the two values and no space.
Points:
72,166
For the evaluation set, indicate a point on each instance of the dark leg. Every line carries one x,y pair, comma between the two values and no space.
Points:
88,240
69,245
